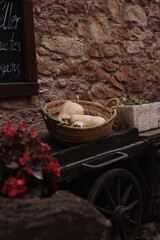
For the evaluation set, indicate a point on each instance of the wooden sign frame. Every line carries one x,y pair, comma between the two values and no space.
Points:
28,86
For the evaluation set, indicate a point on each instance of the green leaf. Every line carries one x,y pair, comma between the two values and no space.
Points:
134,101
38,174
12,165
50,116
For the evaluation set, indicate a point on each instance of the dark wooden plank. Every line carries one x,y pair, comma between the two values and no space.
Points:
18,89
151,134
18,60
115,140
29,41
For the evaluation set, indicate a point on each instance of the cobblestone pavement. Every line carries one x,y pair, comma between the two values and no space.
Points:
149,232
157,237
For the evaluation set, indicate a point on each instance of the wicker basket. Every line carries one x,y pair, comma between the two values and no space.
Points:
71,135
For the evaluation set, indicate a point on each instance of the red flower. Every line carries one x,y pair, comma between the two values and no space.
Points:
45,147
29,171
34,133
13,187
9,129
54,167
22,125
26,157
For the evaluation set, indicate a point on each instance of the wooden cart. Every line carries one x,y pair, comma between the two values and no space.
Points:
118,174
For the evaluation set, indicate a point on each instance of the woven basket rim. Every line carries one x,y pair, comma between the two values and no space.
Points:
79,101
70,134
112,113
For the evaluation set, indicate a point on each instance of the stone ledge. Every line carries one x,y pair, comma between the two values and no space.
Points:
144,117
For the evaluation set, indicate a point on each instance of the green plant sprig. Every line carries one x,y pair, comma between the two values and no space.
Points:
134,101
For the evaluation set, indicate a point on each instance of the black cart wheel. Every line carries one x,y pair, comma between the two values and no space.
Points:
117,195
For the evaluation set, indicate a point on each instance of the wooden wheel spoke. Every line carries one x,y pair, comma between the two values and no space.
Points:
132,204
118,191
115,235
126,195
133,222
104,211
118,234
118,196
122,234
109,197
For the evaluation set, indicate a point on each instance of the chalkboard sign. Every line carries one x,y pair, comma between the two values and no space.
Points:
17,49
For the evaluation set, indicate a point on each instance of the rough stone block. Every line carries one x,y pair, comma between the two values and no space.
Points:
144,117
60,217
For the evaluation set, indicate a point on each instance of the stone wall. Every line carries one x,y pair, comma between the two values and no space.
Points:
96,49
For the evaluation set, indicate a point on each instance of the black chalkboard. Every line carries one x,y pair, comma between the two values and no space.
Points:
17,48
11,41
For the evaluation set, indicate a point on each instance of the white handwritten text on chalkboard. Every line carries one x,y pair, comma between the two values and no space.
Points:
11,61
10,45
10,68
7,21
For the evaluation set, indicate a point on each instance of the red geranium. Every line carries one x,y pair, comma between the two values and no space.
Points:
14,187
25,161
9,130
54,167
